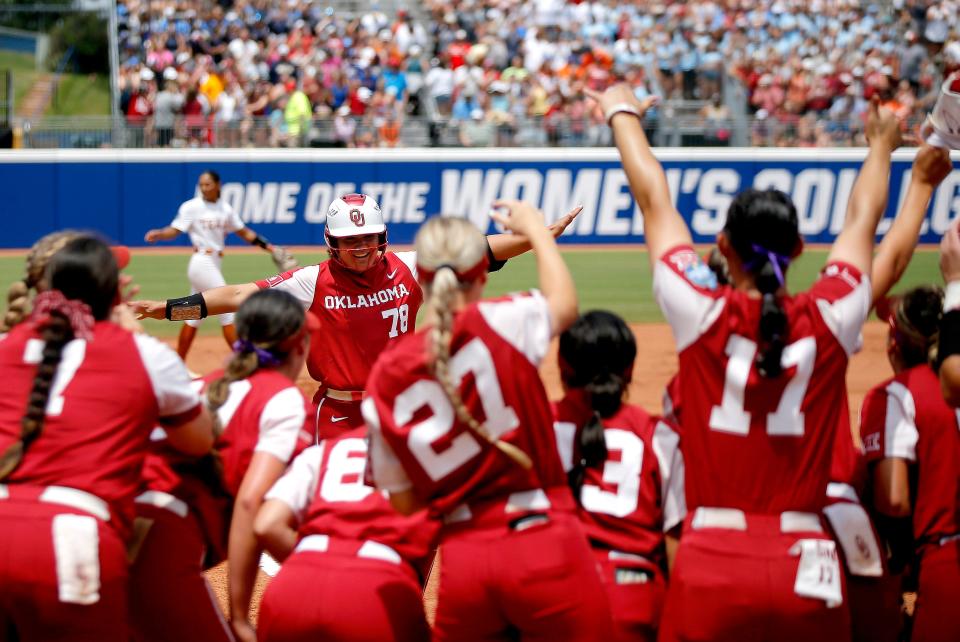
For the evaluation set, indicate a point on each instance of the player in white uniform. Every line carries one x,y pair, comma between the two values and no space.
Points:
208,220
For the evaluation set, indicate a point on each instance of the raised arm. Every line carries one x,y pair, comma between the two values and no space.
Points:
556,284
868,200
214,301
507,246
948,348
663,226
930,167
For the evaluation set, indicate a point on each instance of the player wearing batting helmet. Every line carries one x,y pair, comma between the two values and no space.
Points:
364,296
514,556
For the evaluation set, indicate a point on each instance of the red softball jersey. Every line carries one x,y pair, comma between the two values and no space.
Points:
360,314
762,445
326,490
265,413
906,417
638,494
418,443
107,396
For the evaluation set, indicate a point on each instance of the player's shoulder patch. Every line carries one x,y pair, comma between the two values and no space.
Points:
847,273
689,264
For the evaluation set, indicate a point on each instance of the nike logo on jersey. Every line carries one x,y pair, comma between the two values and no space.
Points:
390,275
336,419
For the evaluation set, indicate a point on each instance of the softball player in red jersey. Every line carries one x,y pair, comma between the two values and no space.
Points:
365,298
265,420
460,423
761,378
350,558
912,442
634,494
81,397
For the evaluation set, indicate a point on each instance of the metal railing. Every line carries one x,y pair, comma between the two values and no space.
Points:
665,131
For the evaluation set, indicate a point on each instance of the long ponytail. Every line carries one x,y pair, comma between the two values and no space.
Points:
763,229
773,318
269,325
597,354
451,256
56,333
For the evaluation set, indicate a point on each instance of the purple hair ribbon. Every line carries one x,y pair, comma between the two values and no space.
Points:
265,357
780,262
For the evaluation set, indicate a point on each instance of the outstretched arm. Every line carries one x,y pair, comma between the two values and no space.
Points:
253,238
664,228
930,167
868,200
507,246
555,281
948,347
161,234
216,301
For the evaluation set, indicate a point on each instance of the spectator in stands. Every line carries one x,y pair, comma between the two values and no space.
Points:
344,127
476,132
167,106
716,122
297,115
793,57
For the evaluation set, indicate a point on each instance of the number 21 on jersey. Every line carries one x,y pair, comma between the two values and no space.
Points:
787,421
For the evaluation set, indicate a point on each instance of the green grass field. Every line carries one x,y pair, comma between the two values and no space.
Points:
617,280
78,95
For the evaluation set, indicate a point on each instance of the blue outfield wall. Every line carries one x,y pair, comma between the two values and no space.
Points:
284,194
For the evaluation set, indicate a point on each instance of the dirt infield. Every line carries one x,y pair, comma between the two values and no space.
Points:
656,363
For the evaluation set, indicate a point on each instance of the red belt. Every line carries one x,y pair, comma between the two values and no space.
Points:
208,251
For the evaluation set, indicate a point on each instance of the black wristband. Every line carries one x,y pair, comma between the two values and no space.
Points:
186,308
949,336
495,263
259,240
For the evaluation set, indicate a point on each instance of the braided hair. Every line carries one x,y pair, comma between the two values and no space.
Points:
268,323
83,278
763,230
597,354
446,246
18,304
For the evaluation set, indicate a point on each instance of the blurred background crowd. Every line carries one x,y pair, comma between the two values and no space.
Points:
510,72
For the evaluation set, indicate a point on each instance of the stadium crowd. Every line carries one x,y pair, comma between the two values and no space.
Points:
749,509
503,72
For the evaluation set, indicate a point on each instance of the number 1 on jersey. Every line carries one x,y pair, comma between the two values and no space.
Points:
70,360
787,420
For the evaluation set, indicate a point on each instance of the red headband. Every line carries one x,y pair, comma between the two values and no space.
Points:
78,313
467,276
